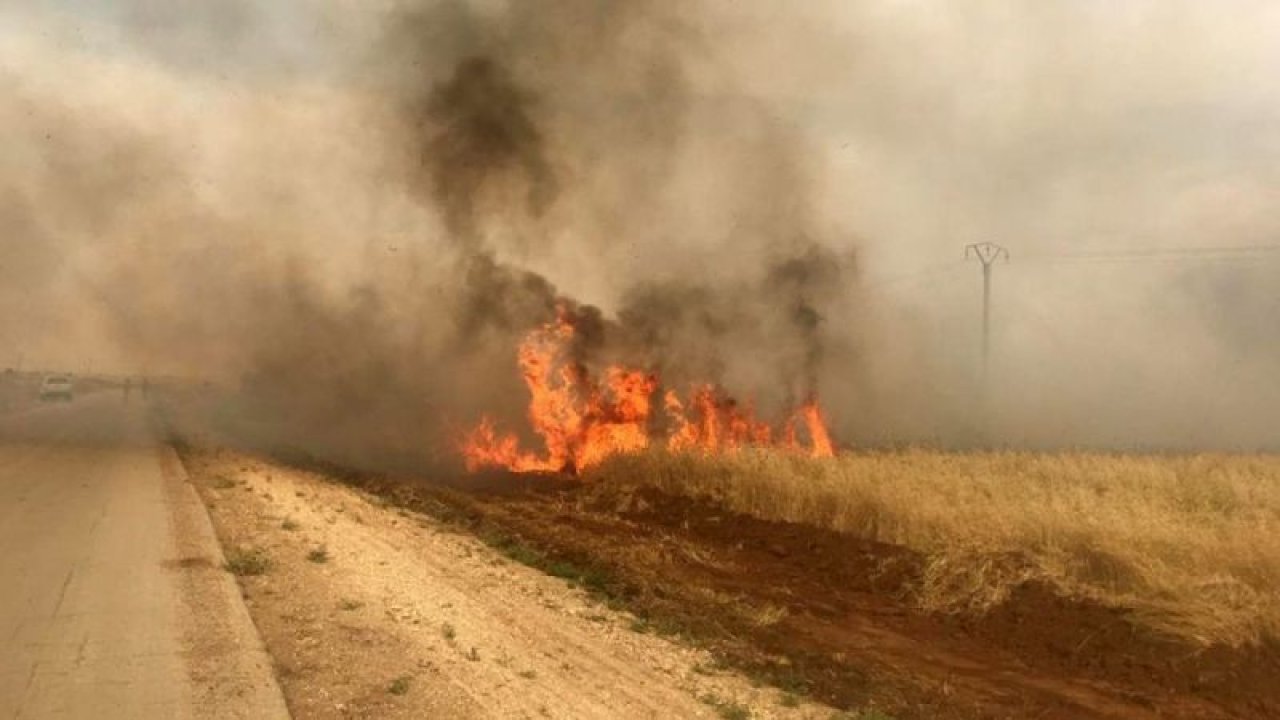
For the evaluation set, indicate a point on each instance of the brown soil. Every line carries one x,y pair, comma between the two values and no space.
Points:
403,616
832,615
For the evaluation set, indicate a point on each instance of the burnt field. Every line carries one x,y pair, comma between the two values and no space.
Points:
976,617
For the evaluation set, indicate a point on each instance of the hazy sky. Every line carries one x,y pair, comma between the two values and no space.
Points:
1053,127
1050,122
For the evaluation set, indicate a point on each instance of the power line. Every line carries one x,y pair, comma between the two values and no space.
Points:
1176,254
1172,253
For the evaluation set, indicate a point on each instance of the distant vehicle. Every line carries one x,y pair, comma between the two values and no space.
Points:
56,387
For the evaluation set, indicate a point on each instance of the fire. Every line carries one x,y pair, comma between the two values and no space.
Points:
582,420
717,423
819,436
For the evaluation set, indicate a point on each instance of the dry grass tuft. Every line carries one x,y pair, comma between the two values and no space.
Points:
1189,544
768,616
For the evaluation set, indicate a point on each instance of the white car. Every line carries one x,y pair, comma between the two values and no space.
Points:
56,387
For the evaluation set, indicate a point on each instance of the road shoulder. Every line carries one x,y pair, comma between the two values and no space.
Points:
230,671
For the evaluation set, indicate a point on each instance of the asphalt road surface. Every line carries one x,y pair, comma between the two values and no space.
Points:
113,603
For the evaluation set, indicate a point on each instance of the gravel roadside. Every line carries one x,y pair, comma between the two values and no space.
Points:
372,611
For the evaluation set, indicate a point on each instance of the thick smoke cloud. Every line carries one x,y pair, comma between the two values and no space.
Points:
485,135
473,167
353,214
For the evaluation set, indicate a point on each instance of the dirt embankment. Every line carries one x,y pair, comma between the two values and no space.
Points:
829,615
813,612
375,611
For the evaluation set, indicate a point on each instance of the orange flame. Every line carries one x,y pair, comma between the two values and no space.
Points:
718,423
582,421
816,424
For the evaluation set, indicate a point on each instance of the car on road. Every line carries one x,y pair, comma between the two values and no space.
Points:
55,388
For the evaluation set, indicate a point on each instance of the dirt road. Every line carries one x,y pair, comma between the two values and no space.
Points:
113,603
376,612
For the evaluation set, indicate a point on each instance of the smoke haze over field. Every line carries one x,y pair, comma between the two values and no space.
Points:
354,211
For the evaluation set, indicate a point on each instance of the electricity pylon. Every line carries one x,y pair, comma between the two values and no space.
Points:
987,254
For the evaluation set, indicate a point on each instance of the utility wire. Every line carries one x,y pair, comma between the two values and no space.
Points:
1228,252
1174,254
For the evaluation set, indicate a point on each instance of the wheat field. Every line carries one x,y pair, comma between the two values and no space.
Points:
1190,545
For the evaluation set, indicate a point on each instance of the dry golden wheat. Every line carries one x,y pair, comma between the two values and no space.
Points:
1189,544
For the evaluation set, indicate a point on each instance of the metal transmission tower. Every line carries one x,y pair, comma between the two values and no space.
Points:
987,254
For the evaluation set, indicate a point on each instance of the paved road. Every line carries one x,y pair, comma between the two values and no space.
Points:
112,603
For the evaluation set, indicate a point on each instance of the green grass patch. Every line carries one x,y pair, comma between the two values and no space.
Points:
245,562
400,685
592,579
727,709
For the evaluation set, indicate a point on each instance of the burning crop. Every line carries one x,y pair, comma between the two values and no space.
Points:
583,418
